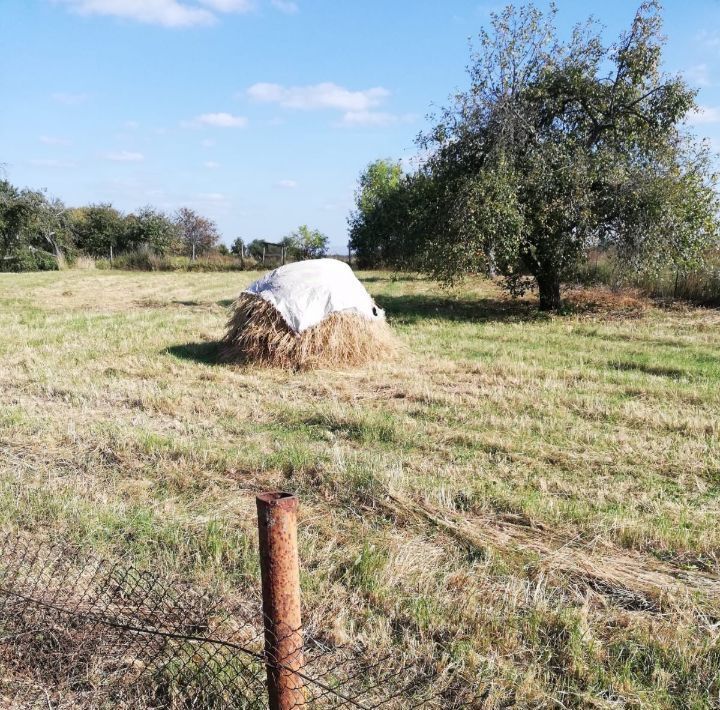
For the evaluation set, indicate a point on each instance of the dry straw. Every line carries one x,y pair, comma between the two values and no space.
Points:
257,333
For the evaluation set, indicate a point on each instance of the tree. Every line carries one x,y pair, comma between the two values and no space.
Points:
34,231
557,147
100,230
255,249
306,243
374,221
153,229
49,226
14,216
197,233
238,247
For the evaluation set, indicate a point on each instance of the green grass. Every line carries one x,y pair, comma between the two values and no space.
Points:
528,500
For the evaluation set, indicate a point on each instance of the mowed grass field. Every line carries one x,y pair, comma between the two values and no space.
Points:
526,501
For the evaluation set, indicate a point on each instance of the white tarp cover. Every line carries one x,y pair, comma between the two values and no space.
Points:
307,291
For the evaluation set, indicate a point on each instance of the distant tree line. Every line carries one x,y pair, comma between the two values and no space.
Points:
303,243
558,147
41,233
37,232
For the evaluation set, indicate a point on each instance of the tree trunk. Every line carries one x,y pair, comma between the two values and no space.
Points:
549,288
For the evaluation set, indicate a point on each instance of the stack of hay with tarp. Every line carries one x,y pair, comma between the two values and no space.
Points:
307,315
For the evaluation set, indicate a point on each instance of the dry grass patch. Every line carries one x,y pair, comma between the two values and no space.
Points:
528,501
258,334
608,303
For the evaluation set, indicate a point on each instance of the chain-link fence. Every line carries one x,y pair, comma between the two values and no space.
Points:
81,632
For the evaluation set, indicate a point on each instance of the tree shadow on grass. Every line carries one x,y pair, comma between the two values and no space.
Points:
225,302
674,373
392,278
207,353
417,307
186,303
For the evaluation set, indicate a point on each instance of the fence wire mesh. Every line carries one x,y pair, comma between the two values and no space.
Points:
82,632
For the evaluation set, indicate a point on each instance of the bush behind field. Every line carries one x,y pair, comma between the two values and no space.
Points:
27,259
147,261
700,285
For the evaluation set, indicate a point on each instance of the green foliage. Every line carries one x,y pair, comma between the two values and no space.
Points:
38,233
99,229
556,147
145,260
306,243
699,284
34,231
217,262
29,259
377,219
141,260
151,229
238,247
379,180
255,249
14,216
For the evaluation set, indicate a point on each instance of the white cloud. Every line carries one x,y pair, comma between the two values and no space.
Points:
229,5
167,13
49,163
704,114
211,164
132,125
54,140
69,99
287,6
125,156
221,120
287,184
318,96
207,143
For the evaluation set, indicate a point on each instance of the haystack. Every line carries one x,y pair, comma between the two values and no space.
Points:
306,315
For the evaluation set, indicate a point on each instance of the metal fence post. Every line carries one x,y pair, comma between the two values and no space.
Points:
280,570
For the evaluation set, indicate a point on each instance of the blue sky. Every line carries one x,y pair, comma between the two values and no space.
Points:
257,113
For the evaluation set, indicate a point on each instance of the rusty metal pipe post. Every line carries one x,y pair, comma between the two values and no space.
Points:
280,570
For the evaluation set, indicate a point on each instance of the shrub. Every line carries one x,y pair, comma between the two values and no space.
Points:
27,259
145,260
216,262
700,285
142,261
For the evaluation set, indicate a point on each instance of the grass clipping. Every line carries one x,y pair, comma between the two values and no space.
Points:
257,333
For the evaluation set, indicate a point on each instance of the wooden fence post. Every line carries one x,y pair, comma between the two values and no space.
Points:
280,571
